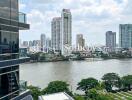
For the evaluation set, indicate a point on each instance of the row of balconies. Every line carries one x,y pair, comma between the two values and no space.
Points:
7,63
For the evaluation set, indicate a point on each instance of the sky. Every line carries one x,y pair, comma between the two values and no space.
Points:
92,18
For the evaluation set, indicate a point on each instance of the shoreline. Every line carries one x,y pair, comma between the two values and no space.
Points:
86,59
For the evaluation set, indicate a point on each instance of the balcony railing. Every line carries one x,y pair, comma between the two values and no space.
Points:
26,95
23,85
12,62
22,18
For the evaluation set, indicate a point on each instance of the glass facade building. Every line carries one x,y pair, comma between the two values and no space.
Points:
125,35
11,21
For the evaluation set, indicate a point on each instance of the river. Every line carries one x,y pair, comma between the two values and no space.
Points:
40,74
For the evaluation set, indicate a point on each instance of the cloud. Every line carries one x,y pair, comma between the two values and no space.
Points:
39,23
90,17
128,8
45,1
22,6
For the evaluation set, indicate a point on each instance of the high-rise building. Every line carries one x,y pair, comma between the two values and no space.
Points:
10,23
25,43
125,35
36,43
66,32
80,42
36,46
30,43
111,40
43,42
48,44
56,33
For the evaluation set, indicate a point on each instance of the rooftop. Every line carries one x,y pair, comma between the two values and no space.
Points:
56,96
66,10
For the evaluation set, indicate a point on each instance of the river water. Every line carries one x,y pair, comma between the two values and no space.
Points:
40,74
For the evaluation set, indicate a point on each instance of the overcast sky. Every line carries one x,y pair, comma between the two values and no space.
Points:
92,18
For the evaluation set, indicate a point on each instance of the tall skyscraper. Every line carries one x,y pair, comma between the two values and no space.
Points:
56,33
10,23
111,40
125,35
43,42
80,42
66,32
48,44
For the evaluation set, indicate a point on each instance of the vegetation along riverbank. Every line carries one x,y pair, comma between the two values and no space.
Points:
112,87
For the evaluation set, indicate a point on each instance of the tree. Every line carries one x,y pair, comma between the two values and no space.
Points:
93,94
104,97
127,82
105,56
100,86
111,80
35,91
56,86
42,56
79,97
87,84
34,56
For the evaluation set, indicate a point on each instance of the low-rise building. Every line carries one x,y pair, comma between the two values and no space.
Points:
56,96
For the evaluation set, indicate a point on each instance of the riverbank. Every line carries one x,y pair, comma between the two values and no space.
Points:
53,57
76,59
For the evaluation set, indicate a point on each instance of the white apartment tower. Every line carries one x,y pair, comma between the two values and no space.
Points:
66,32
56,33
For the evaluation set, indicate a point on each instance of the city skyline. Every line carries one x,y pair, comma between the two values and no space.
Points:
92,18
76,49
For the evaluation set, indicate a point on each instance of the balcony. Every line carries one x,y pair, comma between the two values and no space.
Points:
26,95
11,24
23,21
22,18
13,62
